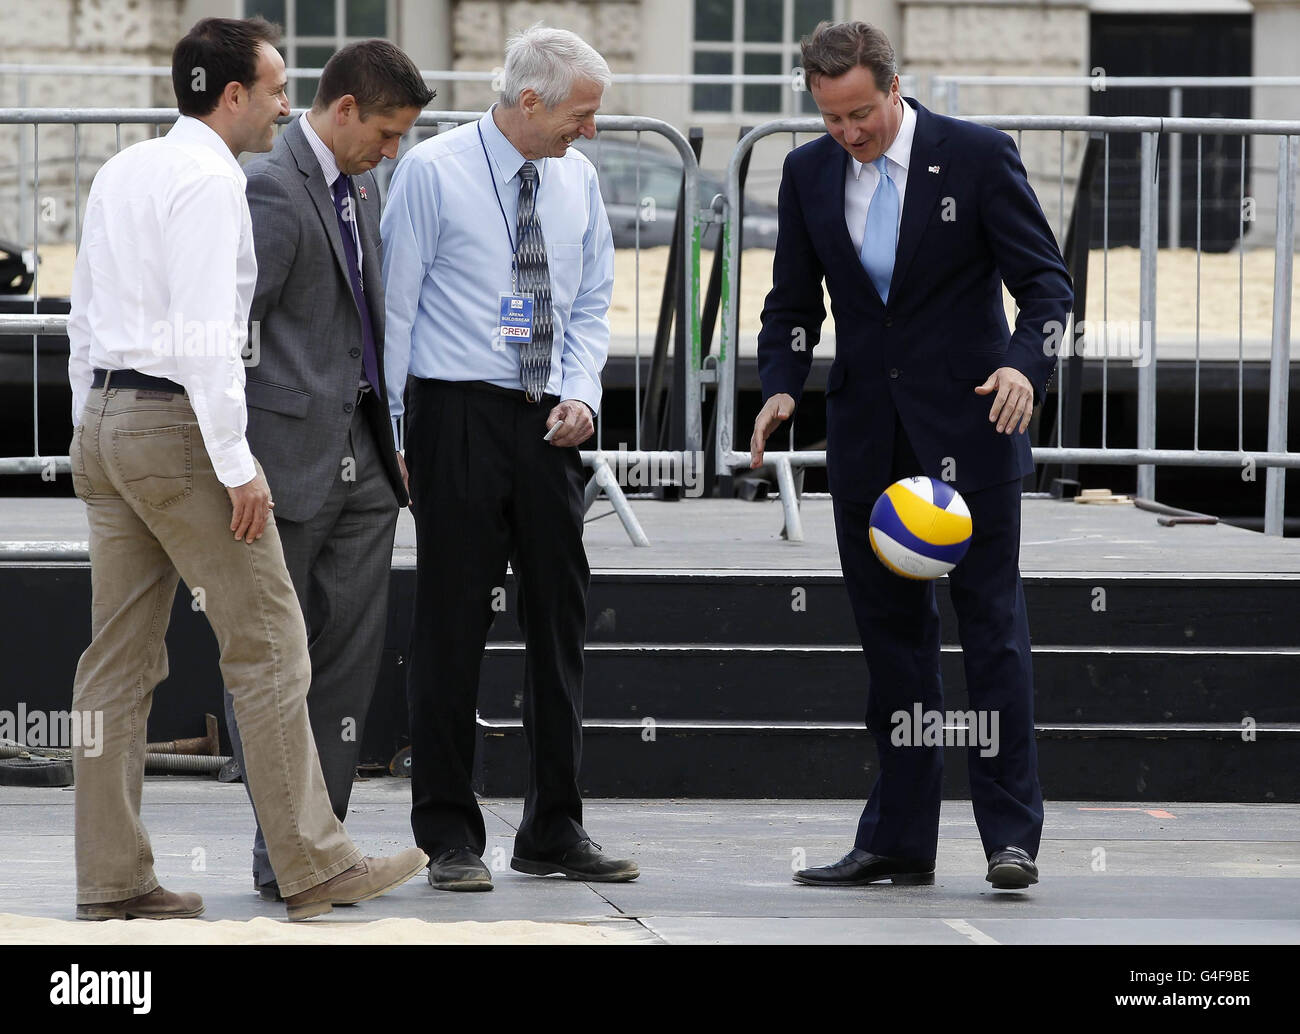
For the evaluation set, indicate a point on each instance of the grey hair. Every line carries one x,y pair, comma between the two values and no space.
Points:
549,61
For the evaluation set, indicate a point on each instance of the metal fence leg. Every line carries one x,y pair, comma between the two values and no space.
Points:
1149,228
789,500
591,493
604,478
1279,372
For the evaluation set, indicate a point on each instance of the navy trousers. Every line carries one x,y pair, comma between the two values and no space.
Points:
898,622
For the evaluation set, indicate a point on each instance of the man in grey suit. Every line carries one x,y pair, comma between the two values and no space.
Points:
317,412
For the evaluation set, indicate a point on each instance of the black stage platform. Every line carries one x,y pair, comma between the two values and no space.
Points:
722,660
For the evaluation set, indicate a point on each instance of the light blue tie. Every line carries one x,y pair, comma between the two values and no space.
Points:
880,237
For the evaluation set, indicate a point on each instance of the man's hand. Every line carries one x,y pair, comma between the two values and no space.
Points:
779,408
1014,403
406,479
576,418
252,508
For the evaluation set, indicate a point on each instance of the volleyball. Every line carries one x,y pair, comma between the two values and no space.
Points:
920,528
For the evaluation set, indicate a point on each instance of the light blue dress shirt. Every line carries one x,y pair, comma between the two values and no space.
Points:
447,257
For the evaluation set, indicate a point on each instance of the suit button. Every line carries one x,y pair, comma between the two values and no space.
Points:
354,352
348,407
894,373
889,321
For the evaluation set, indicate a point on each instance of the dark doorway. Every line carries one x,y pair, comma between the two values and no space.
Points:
1175,45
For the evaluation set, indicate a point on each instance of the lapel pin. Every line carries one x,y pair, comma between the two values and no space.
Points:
933,168
362,190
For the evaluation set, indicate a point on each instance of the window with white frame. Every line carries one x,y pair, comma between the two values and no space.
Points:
754,37
315,29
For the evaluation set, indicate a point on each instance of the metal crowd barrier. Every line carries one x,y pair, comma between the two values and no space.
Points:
1276,458
603,479
947,89
721,370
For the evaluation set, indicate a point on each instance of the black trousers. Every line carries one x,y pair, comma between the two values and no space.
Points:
898,621
487,489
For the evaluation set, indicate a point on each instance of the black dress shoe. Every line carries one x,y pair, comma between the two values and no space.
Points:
582,861
1011,869
268,891
459,869
858,868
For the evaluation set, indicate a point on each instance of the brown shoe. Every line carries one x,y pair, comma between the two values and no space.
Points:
157,904
368,879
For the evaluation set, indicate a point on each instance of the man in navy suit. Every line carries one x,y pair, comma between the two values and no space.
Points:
915,221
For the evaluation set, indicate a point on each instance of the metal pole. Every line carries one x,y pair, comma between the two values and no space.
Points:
1175,168
1149,228
728,336
36,287
689,314
22,163
604,477
789,498
1279,368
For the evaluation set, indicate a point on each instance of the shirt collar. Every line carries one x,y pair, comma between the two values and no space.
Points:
323,154
188,128
900,151
505,156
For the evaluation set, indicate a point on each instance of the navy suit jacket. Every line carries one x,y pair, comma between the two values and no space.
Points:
966,228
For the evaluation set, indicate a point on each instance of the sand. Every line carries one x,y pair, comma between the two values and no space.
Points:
16,929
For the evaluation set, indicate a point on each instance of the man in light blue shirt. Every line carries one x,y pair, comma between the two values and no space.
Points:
498,269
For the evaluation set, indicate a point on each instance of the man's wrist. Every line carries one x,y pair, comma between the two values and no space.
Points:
587,404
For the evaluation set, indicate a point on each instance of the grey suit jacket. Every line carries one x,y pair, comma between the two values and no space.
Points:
302,391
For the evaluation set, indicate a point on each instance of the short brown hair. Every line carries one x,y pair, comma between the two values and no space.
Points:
375,72
835,48
215,53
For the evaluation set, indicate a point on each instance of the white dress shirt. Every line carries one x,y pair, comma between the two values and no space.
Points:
861,182
164,280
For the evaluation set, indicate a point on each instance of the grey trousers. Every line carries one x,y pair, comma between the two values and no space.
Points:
156,512
339,562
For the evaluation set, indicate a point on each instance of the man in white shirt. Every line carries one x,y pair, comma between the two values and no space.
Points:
157,327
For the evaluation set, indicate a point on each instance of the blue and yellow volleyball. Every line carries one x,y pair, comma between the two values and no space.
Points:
920,528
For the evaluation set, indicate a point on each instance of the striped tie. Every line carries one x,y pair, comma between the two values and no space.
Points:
535,278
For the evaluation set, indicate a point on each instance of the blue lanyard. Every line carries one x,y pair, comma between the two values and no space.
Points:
514,264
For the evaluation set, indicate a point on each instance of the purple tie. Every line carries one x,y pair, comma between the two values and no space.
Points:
344,208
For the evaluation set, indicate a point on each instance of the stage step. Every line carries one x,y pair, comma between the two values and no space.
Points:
1084,762
757,684
829,683
813,608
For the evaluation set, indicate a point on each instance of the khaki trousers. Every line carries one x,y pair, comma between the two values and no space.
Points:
156,512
